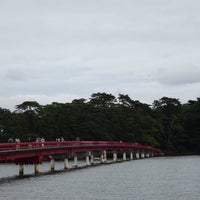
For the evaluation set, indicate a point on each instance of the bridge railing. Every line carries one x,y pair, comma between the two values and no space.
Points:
28,145
36,145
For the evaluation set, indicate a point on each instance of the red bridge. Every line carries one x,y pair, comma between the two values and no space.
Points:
25,153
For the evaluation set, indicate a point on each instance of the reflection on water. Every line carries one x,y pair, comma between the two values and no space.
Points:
155,178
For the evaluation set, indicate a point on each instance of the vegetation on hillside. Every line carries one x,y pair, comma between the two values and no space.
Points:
166,124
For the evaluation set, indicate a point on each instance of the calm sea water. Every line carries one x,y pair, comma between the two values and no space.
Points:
163,178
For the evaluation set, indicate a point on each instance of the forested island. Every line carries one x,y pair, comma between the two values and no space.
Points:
166,124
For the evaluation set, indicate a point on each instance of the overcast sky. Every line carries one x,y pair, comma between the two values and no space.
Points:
60,50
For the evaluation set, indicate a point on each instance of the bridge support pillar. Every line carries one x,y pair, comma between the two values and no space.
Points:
36,169
21,169
124,156
75,161
147,155
105,156
137,155
114,157
66,163
102,158
152,154
142,155
87,159
52,165
131,156
91,159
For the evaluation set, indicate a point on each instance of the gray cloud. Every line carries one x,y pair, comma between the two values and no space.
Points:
179,75
15,75
59,50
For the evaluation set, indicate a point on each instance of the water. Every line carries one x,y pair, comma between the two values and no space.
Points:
164,178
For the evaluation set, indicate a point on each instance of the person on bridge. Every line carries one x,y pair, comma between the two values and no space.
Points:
10,140
38,139
42,141
17,140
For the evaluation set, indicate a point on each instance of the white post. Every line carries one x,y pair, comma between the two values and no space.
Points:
36,169
105,156
21,169
142,155
147,155
137,155
66,163
92,159
52,165
114,157
87,159
131,156
124,156
75,161
102,158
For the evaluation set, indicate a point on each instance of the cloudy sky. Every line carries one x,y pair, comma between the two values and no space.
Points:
60,50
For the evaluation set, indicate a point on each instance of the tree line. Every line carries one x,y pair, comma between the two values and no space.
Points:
166,124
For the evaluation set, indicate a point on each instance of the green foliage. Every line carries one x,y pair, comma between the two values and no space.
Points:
168,112
167,124
191,124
